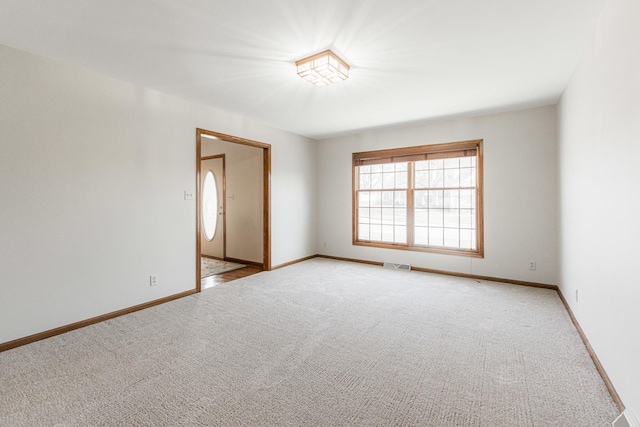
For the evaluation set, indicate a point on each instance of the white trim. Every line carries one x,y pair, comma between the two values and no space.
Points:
626,419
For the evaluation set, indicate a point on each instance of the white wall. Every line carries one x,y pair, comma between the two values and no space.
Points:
519,190
599,140
92,174
243,182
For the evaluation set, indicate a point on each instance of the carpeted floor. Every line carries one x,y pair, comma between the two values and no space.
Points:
210,266
320,343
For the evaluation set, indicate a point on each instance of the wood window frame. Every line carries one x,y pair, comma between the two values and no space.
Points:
412,154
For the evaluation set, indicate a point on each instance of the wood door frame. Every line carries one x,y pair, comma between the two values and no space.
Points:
224,200
266,194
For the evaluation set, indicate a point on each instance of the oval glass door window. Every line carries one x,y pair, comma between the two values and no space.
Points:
209,205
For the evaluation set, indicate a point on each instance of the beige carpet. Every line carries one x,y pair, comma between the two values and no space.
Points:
321,343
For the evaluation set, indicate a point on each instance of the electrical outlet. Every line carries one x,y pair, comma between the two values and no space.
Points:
153,280
324,244
532,265
188,195
576,295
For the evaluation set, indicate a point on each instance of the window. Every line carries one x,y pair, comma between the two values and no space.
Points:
426,198
209,205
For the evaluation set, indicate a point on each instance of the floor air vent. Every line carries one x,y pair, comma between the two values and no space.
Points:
393,266
625,419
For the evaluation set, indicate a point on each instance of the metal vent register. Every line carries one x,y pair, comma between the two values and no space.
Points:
394,266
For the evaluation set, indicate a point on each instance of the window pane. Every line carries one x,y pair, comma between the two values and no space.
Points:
401,179
465,239
376,181
421,179
421,165
376,168
452,177
375,231
451,198
375,215
436,217
375,198
387,233
421,236
387,215
467,218
363,231
451,218
436,236
388,167
400,199
466,198
363,199
421,217
465,162
365,181
435,199
452,163
209,205
451,237
466,177
388,180
421,199
387,198
363,215
401,234
401,166
436,179
400,216
436,164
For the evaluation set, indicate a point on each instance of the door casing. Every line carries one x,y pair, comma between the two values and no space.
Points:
266,194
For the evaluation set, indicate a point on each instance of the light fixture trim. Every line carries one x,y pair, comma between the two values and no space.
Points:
323,68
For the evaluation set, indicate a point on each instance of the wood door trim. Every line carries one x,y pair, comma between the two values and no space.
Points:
231,138
266,204
217,156
198,207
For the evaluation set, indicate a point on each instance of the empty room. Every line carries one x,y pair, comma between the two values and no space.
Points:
302,213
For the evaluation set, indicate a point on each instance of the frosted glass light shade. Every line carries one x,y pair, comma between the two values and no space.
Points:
323,69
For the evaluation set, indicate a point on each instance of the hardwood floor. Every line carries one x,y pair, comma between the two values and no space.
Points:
211,281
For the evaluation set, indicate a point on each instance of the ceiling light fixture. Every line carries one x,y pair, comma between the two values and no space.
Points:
323,69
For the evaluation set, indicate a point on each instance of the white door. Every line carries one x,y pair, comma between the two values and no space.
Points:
212,205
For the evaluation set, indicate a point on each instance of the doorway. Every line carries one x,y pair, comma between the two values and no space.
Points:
209,244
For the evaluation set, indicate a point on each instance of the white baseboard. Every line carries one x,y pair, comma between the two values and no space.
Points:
626,419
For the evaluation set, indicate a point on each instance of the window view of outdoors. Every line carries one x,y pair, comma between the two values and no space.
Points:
382,203
445,203
430,202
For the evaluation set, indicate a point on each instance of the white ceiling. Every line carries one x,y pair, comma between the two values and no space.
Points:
411,60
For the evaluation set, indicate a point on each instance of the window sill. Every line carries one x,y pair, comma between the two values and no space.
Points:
435,250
